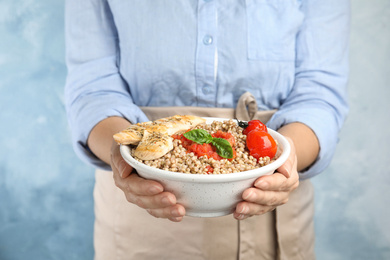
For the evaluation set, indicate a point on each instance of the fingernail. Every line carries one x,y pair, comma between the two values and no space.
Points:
247,195
178,212
241,216
155,190
178,219
285,170
121,168
243,210
167,201
288,172
262,184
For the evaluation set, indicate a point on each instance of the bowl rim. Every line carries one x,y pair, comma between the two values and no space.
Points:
212,178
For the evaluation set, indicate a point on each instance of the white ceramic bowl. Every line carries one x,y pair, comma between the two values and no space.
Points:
208,195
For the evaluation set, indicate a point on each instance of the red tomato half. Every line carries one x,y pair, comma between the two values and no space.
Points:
254,125
261,144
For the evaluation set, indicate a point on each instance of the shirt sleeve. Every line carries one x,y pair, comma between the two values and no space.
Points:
319,96
94,87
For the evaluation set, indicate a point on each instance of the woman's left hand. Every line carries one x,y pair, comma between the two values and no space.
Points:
270,191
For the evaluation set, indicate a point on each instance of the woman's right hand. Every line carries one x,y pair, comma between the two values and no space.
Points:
147,194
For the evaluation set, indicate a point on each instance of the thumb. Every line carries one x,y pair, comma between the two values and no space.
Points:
287,168
118,164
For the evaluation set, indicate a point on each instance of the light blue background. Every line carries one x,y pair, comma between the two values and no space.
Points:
46,207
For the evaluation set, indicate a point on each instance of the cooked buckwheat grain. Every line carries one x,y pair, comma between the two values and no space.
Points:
179,160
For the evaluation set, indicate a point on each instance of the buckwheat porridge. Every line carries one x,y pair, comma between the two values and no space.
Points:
188,157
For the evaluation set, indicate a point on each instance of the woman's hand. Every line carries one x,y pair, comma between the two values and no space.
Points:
147,194
270,191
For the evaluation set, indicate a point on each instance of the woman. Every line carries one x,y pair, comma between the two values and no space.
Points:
134,61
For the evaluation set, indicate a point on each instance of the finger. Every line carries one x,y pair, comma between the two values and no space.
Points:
124,169
290,165
286,168
265,198
118,164
134,184
162,200
277,182
239,216
174,213
246,209
176,219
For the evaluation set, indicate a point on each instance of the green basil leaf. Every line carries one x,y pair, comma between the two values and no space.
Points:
224,149
199,136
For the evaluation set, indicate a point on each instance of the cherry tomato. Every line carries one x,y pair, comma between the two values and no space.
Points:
254,125
261,144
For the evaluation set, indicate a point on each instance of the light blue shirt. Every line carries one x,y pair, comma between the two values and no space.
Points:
292,55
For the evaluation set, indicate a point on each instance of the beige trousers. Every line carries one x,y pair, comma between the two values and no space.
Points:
125,231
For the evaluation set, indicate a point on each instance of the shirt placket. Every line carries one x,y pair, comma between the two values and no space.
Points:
206,53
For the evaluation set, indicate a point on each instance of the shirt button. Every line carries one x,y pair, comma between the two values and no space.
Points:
206,90
207,40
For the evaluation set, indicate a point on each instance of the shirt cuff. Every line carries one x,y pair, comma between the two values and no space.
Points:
322,123
91,113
